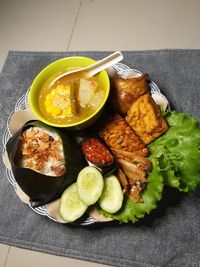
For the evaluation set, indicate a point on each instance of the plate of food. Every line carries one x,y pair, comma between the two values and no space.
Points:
109,165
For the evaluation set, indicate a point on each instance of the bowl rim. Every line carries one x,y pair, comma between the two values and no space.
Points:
38,76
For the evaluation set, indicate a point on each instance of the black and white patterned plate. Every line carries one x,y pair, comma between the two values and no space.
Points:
22,104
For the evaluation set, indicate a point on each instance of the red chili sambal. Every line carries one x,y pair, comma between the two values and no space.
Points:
96,152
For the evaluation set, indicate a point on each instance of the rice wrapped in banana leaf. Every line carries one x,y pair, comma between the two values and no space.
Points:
44,161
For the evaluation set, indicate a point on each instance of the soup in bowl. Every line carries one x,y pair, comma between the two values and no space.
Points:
74,103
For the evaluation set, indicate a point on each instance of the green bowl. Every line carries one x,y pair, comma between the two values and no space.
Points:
55,67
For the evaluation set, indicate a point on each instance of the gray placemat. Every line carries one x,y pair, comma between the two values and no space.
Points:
169,236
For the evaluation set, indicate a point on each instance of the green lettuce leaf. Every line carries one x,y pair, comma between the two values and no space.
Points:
132,211
178,152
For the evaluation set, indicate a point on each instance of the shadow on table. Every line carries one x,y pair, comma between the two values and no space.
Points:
171,198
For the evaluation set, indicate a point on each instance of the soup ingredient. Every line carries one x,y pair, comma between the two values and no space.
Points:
118,135
57,101
178,152
96,152
86,91
73,97
90,94
42,151
71,207
145,118
90,185
112,195
97,99
70,101
125,91
131,211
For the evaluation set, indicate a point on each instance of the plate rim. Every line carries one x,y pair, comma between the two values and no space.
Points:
22,104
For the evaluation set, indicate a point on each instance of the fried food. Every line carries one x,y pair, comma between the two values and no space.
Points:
133,176
145,118
139,161
119,136
125,91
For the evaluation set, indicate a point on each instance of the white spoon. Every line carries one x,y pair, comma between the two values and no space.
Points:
93,69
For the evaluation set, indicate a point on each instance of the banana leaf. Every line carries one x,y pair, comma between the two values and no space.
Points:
39,187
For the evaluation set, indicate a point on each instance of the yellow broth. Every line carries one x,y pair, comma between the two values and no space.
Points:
67,117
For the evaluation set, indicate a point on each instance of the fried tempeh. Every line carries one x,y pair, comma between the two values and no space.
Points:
118,135
145,118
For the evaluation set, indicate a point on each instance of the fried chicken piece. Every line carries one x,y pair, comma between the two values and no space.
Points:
119,135
125,91
133,177
123,181
140,161
145,118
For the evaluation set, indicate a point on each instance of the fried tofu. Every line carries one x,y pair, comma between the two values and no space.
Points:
125,91
145,118
119,136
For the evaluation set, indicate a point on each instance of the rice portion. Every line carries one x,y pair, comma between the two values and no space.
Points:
41,150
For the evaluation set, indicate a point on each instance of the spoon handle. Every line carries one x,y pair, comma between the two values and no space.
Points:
104,63
95,68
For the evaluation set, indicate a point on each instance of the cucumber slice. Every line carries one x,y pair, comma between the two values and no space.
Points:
71,207
89,185
112,195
